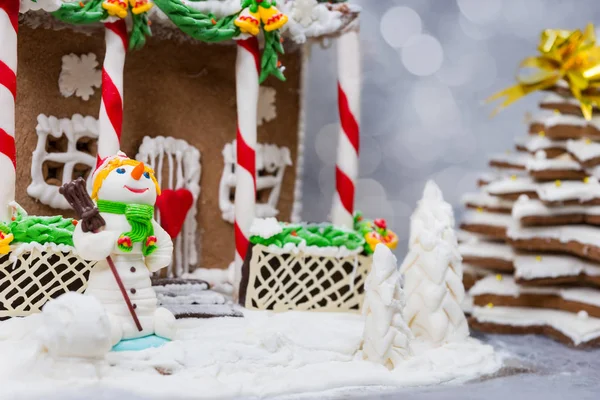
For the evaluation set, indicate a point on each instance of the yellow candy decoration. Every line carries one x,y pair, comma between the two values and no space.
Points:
5,241
248,22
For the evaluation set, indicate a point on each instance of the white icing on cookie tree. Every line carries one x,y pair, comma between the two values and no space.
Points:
433,273
386,335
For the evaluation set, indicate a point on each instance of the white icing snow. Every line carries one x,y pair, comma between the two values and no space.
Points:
555,98
563,233
265,227
552,266
79,75
526,207
487,250
487,218
569,190
74,325
263,354
543,163
46,5
309,18
511,185
577,329
517,159
482,199
534,143
583,149
508,287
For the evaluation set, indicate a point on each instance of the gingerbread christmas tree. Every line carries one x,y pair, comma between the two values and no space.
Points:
532,255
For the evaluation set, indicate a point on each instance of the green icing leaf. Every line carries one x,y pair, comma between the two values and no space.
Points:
200,26
312,235
73,13
32,229
139,31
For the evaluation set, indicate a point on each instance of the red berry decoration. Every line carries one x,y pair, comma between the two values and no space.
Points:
380,223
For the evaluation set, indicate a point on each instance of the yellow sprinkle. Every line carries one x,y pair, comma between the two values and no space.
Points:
498,277
513,177
490,305
479,209
538,258
542,133
588,141
556,112
557,183
586,179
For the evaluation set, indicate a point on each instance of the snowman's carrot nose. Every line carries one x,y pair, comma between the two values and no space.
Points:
137,172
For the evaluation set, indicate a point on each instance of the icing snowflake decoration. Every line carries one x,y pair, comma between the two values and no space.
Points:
79,75
267,110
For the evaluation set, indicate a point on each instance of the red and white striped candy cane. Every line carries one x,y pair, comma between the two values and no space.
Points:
9,26
247,72
110,121
346,171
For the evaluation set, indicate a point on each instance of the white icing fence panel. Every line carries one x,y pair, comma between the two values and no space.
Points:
271,162
279,281
32,274
182,162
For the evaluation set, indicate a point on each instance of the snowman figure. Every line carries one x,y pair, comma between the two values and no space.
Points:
125,192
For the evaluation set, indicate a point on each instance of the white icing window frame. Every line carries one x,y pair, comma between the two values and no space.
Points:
74,128
184,172
269,158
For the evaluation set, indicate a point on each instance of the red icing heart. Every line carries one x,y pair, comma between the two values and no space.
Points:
173,206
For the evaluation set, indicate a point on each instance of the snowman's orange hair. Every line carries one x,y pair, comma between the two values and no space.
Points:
114,164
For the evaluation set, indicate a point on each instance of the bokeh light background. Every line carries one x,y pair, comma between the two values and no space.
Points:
428,65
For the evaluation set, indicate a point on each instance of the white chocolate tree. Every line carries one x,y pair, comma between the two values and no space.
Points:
433,273
386,336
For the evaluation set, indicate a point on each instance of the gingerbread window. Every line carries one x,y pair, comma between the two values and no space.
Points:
66,150
271,162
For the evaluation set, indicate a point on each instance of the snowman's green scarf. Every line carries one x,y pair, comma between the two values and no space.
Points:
140,218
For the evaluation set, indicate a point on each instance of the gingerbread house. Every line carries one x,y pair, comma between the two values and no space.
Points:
166,81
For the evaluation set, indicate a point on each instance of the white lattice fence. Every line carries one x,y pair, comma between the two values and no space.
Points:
283,281
28,279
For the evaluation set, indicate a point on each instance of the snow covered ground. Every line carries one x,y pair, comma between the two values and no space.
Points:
261,355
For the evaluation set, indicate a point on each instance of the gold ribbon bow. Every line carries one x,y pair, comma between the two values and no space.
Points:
571,56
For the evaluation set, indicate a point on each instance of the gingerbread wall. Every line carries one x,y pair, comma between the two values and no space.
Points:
184,90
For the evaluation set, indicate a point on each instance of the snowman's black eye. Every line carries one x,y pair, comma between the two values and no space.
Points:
147,175
120,170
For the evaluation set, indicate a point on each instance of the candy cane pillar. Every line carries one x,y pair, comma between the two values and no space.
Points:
9,26
247,72
346,169
110,121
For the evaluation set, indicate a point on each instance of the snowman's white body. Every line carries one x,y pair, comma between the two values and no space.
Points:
133,268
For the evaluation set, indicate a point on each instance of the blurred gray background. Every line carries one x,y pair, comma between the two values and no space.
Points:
428,65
